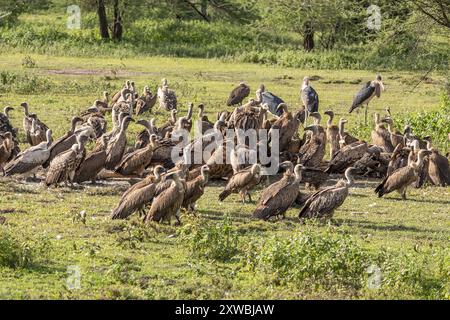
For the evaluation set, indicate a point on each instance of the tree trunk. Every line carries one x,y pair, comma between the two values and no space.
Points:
308,40
117,28
102,19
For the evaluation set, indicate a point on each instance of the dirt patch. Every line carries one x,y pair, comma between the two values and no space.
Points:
97,72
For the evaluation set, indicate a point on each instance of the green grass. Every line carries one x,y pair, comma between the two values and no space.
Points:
222,253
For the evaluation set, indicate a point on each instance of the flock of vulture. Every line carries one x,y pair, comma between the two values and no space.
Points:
161,187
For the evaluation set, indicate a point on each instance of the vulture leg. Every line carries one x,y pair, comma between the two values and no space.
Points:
249,197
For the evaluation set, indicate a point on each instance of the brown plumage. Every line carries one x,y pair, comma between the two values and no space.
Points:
6,126
323,203
372,163
344,137
332,133
314,177
438,167
138,195
167,127
395,135
116,146
195,189
167,204
287,125
346,157
63,166
63,143
311,154
242,183
6,148
36,133
145,102
238,94
381,136
401,178
203,123
135,162
121,94
277,198
30,159
92,164
167,97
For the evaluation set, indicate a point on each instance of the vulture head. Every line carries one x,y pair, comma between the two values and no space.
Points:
7,110
24,105
48,135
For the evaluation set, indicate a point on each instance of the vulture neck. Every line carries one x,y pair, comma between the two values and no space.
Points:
49,139
189,113
298,173
6,112
123,125
349,177
330,119
341,128
204,175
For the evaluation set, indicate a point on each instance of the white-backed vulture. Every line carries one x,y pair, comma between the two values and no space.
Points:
287,125
135,162
346,156
372,163
62,168
37,134
203,123
311,154
277,198
167,127
401,178
116,145
167,204
92,164
30,158
242,182
120,95
103,105
396,136
167,97
438,167
344,137
332,133
6,126
145,102
409,138
195,189
63,143
399,158
313,177
143,137
138,195
238,94
323,203
6,148
381,136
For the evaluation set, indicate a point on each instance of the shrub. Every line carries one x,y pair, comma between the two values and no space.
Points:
16,252
217,241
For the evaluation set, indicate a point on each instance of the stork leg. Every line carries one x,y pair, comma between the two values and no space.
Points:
365,114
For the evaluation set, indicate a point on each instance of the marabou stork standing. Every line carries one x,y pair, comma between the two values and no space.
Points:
366,93
309,97
272,101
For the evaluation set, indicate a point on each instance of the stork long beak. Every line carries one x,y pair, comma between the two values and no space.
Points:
382,85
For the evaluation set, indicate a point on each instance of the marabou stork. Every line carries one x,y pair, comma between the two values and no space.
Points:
309,97
366,93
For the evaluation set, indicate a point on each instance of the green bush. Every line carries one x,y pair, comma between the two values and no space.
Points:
315,259
217,241
16,252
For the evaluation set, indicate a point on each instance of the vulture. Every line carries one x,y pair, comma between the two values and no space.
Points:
347,156
218,165
381,136
63,166
145,102
332,133
313,177
34,128
277,198
311,154
127,105
92,164
395,135
287,125
6,148
203,124
195,189
30,158
143,137
438,167
121,95
344,137
409,138
116,145
399,158
401,178
64,143
167,127
241,156
309,96
103,105
135,162
167,97
242,182
238,94
167,204
367,92
267,98
372,163
6,126
93,118
138,195
322,203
